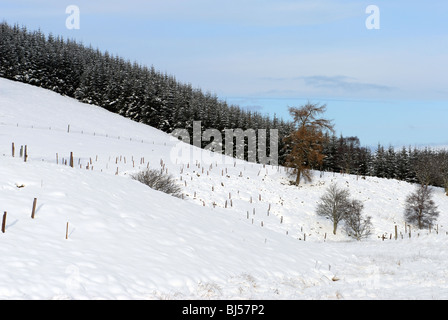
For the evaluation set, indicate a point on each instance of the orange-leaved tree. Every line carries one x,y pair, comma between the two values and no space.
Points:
305,143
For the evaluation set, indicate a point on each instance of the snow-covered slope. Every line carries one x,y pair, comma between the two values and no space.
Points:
241,230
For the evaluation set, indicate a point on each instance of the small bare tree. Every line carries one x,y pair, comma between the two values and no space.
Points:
427,167
420,209
334,205
356,225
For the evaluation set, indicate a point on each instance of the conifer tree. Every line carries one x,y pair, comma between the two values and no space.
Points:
306,141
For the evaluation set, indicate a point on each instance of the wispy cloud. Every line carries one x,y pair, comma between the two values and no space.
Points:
321,85
344,83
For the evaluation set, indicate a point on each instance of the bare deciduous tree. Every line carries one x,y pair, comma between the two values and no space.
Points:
334,205
443,171
420,209
356,225
427,168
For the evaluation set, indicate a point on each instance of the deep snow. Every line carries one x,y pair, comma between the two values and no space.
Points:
241,232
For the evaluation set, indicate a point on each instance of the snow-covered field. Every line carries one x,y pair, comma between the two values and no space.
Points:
241,231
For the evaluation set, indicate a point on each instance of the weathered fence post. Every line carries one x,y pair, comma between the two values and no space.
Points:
71,159
4,223
34,208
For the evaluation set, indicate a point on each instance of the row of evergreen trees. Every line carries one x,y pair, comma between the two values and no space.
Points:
416,165
137,92
146,95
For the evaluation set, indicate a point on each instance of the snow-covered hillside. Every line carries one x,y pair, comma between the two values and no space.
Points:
241,231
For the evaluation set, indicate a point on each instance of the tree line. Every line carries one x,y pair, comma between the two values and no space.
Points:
146,95
313,145
415,165
135,91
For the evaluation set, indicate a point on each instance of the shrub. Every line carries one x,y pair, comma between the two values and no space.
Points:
157,180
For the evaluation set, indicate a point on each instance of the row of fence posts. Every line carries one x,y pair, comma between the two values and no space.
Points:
23,152
408,231
33,212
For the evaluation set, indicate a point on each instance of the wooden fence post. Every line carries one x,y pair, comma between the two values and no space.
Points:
34,208
4,223
71,159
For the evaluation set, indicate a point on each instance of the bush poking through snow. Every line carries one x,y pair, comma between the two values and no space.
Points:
160,181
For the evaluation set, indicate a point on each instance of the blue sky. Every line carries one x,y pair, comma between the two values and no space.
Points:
385,86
